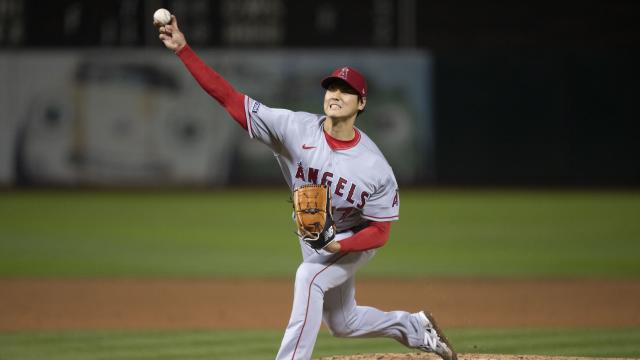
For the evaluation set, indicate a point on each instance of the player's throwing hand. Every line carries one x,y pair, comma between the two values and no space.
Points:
171,35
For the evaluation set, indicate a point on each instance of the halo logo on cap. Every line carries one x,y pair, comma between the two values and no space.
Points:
344,73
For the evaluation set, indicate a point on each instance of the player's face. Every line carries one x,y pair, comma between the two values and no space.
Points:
342,101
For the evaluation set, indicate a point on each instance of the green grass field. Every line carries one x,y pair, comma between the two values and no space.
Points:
521,234
216,234
255,345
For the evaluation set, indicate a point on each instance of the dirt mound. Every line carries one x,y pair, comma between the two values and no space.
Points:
425,356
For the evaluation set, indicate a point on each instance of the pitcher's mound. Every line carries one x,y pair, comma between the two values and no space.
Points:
425,356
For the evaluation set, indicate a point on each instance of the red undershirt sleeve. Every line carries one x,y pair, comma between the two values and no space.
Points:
373,236
215,85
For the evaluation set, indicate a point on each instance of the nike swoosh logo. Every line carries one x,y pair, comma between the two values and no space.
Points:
306,147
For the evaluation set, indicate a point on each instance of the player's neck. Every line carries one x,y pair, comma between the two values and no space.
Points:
341,129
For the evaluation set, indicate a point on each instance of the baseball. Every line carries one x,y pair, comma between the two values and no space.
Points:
162,16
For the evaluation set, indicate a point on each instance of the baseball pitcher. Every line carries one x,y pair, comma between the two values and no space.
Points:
345,197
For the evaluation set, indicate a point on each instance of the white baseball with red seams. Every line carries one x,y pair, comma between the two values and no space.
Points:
363,188
162,16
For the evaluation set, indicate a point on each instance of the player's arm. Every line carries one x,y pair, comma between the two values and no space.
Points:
375,235
214,84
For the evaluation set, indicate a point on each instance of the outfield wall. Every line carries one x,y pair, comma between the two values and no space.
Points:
452,117
135,117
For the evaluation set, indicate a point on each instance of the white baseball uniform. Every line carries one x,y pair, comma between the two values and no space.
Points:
363,188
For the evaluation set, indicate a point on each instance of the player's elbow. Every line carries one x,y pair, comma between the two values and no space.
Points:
383,230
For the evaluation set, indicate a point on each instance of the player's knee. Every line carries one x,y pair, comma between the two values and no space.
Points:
337,326
339,329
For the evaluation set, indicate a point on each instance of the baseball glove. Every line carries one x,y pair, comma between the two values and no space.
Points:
312,207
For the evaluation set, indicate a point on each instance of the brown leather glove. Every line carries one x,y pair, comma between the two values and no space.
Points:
312,206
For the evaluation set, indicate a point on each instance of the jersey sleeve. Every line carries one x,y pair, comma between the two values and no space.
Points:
268,125
373,236
215,85
384,203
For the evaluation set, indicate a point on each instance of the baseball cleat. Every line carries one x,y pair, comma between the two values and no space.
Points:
434,339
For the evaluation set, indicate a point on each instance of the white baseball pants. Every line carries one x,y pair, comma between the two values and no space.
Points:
325,290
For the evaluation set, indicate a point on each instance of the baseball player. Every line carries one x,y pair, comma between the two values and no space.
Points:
327,149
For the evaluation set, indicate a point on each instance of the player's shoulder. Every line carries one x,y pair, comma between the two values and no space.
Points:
256,108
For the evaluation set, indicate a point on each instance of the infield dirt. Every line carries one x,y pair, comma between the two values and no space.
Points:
57,304
54,304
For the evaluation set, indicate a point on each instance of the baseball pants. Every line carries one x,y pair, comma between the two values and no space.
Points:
325,290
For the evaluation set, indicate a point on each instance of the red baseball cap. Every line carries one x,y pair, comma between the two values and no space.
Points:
349,75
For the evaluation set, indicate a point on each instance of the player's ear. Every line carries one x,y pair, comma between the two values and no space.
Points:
362,102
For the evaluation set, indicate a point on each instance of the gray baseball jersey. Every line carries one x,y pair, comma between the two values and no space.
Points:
362,183
363,188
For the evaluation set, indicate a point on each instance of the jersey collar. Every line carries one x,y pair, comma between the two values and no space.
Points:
336,144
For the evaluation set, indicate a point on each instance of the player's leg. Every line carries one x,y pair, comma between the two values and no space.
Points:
345,318
315,276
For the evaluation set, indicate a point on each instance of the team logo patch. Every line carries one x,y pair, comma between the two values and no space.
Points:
344,73
255,107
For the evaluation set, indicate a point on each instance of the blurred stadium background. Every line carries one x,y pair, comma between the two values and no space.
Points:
512,128
465,93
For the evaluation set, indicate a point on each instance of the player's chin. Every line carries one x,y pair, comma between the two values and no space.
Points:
335,113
